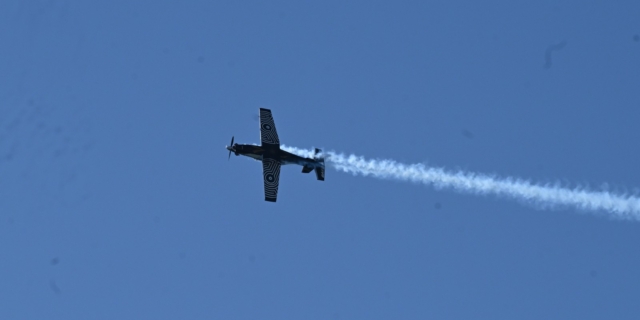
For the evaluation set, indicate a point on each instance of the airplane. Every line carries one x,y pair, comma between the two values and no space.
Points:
273,157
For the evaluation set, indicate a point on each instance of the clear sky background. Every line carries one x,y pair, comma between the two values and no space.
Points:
117,200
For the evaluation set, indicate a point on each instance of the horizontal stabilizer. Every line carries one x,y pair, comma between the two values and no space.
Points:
307,169
319,170
320,173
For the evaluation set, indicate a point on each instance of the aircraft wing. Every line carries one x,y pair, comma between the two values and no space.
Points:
268,134
271,173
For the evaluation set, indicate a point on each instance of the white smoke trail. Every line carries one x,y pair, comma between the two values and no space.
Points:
620,206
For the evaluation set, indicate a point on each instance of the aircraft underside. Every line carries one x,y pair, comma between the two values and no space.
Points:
272,157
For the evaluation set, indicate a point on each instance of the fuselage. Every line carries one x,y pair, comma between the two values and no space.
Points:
259,152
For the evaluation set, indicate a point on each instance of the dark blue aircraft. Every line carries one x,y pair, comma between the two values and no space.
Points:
273,157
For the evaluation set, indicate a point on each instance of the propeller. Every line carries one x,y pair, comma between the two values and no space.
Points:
231,146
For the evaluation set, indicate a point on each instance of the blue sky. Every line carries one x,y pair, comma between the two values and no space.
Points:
118,201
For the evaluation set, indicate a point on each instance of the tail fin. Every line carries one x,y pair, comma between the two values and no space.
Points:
319,170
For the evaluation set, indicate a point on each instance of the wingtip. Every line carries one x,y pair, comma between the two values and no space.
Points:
270,199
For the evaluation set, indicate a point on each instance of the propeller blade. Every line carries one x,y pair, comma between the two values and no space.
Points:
231,145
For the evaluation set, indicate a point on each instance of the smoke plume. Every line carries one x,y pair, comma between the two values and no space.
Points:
619,206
